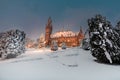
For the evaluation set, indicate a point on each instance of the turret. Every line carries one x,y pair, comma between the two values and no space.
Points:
81,34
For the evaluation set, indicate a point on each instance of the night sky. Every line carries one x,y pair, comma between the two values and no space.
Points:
31,15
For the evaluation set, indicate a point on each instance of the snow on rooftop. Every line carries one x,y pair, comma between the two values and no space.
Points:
64,34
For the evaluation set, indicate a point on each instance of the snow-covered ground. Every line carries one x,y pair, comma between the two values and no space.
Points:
70,64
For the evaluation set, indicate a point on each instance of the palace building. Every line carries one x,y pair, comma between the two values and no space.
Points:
70,38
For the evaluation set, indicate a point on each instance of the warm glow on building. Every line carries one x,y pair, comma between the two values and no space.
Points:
70,38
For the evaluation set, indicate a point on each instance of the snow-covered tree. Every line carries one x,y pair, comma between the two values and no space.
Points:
103,40
117,29
12,43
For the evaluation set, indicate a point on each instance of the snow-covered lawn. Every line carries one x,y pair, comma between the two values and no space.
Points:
69,64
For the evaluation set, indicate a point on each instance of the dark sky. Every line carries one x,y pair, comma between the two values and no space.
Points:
31,15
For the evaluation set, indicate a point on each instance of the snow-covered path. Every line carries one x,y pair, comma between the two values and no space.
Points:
70,64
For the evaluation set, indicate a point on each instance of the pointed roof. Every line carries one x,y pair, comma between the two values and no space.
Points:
49,23
81,31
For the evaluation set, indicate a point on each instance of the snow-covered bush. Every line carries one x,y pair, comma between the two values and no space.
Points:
12,43
85,44
54,46
103,40
63,46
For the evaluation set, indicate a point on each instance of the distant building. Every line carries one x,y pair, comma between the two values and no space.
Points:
70,38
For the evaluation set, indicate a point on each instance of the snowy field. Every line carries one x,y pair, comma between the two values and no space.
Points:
70,64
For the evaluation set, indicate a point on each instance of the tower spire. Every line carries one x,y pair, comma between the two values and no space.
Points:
81,30
49,23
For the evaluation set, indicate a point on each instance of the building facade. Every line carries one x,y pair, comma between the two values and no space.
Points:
70,38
